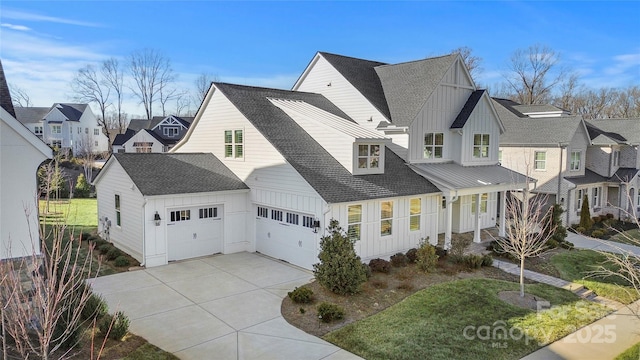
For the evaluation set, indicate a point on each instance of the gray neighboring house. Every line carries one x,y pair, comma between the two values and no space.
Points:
159,134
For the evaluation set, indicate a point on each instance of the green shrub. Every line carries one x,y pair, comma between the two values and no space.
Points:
86,236
597,233
82,188
458,246
328,312
567,245
487,260
380,265
427,257
94,308
340,269
473,261
580,230
399,260
121,261
113,253
116,326
367,270
552,243
104,248
412,255
441,252
301,295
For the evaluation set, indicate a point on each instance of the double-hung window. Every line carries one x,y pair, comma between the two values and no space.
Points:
483,203
540,161
579,195
354,221
233,144
56,129
433,145
415,209
96,132
481,145
576,158
595,201
386,218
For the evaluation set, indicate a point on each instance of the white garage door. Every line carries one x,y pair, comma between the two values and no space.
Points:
194,231
286,235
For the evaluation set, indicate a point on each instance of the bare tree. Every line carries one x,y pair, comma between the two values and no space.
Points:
113,77
151,72
593,104
471,61
19,96
568,93
167,95
88,86
183,102
87,152
527,231
533,74
202,85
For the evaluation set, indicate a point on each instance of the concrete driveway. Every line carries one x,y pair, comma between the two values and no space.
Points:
222,307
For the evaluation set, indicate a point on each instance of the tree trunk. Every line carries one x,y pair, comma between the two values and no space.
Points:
522,276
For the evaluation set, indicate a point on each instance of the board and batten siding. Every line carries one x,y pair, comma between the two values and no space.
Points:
465,222
128,236
341,92
436,116
371,243
481,121
234,216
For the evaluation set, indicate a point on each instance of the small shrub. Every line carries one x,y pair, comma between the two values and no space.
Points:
399,260
567,245
104,248
301,295
113,253
427,258
406,285
473,261
302,310
597,233
487,260
119,324
328,312
404,274
458,246
94,308
580,230
86,236
367,270
552,244
595,219
441,252
379,284
121,261
610,216
412,255
380,265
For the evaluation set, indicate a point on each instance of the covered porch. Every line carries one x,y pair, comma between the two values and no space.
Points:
473,196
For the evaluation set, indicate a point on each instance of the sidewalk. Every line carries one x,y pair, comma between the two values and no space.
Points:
585,242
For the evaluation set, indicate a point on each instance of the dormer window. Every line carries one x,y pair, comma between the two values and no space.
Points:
369,158
170,131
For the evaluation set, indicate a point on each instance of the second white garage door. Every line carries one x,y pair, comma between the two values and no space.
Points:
194,231
286,235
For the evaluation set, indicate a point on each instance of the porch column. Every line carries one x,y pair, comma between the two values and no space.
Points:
448,222
476,231
503,216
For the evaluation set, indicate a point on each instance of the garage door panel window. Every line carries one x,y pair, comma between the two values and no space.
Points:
386,218
263,212
354,222
292,219
180,215
276,215
206,213
307,221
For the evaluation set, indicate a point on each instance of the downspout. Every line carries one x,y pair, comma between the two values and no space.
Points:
560,173
144,234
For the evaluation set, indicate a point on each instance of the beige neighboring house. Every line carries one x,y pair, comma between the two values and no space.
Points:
21,153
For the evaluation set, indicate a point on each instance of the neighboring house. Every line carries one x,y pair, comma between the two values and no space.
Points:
21,153
164,207
66,126
156,135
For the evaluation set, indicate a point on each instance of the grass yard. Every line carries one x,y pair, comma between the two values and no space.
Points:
632,353
431,323
631,237
577,265
74,212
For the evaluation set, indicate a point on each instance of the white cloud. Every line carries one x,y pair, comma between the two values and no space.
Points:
26,16
623,63
15,27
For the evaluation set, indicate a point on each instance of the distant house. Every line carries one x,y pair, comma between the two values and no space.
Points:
21,153
156,135
65,126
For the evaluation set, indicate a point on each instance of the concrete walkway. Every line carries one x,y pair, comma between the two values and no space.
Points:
585,242
222,307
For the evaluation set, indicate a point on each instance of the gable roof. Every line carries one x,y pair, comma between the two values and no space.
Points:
178,173
467,109
120,139
623,175
5,96
73,112
546,131
323,172
363,76
407,86
614,131
30,114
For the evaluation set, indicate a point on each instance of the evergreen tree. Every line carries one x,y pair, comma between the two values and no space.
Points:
82,188
585,214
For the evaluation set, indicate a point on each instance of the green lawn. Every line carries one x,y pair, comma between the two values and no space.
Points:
578,265
632,353
73,212
631,237
431,323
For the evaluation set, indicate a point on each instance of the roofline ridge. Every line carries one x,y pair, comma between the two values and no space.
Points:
419,60
351,57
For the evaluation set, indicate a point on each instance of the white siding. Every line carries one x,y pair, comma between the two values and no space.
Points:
341,93
579,142
482,121
143,136
129,236
19,161
371,243
464,219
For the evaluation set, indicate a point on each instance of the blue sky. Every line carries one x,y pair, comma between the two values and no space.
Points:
263,43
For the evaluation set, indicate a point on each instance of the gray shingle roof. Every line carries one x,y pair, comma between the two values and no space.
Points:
182,173
5,96
467,109
526,109
623,175
28,115
73,112
323,172
535,131
616,130
407,86
362,75
120,139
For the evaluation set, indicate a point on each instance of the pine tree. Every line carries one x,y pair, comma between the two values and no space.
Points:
585,215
